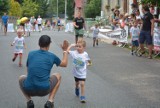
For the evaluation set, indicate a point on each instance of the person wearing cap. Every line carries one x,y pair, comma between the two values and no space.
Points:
38,81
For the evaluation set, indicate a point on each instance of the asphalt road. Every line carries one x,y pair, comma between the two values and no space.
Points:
115,80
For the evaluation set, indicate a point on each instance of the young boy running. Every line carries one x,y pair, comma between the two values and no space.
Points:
80,61
19,44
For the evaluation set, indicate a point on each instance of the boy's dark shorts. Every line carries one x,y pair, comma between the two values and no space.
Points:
145,36
39,25
53,81
79,79
135,43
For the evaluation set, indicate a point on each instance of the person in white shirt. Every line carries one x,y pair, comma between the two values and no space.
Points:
134,33
39,22
95,35
19,44
80,62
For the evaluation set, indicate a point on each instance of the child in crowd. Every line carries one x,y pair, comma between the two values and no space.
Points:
134,33
95,35
80,61
28,28
19,44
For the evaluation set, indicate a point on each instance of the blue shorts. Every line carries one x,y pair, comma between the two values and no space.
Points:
135,43
145,36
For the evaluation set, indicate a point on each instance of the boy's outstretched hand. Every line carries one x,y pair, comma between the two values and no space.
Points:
65,45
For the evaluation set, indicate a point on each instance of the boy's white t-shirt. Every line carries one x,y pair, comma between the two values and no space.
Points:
39,20
95,31
135,33
19,44
80,63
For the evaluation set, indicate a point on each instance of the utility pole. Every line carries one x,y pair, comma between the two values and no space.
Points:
57,8
65,11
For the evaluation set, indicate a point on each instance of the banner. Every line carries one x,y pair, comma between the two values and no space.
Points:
10,27
156,39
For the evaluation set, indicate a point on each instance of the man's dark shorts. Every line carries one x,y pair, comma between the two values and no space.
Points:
6,25
145,36
79,79
39,25
79,32
53,81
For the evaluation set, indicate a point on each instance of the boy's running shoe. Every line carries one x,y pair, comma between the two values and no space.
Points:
83,99
77,91
30,104
49,104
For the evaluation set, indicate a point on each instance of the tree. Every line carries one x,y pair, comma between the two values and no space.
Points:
43,7
4,6
15,8
29,8
70,9
156,2
93,8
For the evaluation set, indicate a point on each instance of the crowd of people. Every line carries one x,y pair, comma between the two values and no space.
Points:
33,24
141,27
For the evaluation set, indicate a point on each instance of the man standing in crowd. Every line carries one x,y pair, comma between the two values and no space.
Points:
5,23
146,34
39,21
78,25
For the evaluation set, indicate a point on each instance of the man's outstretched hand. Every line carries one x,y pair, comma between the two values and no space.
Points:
65,45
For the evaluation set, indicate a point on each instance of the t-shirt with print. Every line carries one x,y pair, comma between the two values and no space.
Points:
19,44
135,33
80,63
79,22
95,32
39,64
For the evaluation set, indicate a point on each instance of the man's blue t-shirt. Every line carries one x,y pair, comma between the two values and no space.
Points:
5,19
39,64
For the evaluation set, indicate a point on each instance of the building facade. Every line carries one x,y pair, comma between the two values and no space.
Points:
123,5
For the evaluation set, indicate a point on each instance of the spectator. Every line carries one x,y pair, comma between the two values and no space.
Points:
5,22
134,8
146,33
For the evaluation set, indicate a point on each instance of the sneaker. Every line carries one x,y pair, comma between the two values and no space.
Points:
131,53
30,104
97,43
49,104
14,59
77,91
83,99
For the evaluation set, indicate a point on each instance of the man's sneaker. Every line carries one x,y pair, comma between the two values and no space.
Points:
77,91
30,104
132,53
83,99
49,104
